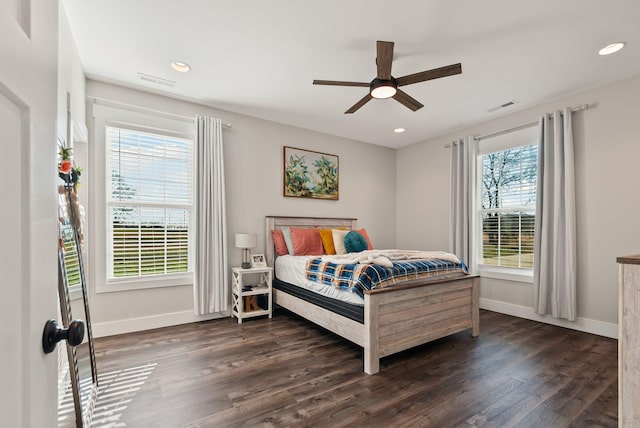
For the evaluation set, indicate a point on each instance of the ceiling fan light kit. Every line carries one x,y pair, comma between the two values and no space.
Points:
382,89
386,86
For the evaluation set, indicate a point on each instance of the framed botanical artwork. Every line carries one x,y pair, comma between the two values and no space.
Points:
309,174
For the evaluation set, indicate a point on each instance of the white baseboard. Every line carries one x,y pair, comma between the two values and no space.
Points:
582,324
131,325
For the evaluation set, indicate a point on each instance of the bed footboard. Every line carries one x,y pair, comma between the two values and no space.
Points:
396,320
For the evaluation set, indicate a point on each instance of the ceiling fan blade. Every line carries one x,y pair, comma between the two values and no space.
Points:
407,100
436,73
359,104
339,83
384,59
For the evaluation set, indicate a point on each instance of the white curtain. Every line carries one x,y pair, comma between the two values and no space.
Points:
211,289
463,179
554,276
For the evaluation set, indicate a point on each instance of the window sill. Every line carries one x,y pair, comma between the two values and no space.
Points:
129,284
508,274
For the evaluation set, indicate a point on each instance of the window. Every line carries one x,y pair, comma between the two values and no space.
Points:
71,257
68,237
149,203
507,185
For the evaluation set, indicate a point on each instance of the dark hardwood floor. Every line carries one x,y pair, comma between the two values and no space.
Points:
288,372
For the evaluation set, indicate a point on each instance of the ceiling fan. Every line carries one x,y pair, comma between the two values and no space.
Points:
387,86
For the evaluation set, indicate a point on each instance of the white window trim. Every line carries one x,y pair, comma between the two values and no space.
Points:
150,281
506,273
104,116
510,140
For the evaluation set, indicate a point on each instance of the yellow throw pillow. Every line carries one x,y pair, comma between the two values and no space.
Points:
327,241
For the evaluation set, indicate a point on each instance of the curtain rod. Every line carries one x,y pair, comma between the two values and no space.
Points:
107,102
523,126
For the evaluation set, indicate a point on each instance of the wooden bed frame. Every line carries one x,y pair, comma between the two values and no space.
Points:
395,318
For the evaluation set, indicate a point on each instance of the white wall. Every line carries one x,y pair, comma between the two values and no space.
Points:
253,163
607,176
70,76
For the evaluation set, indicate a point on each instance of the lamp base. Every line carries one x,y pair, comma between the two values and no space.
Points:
245,258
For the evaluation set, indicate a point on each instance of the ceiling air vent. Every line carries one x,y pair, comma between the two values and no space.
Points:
157,80
501,106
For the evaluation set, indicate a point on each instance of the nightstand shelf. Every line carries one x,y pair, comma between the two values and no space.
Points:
243,300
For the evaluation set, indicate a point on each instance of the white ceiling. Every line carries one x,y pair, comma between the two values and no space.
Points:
260,57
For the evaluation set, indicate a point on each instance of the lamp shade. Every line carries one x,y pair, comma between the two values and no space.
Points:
246,240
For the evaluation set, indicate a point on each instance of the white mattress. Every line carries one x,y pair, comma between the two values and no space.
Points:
291,269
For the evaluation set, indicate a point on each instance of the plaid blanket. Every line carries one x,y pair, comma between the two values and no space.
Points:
360,277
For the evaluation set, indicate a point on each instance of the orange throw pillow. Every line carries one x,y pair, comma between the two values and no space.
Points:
278,242
363,232
306,242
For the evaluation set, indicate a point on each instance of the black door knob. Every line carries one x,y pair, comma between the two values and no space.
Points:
53,334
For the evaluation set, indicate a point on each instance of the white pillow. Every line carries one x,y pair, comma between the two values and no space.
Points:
286,233
338,240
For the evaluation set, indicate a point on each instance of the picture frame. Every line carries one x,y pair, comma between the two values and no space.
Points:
310,174
258,261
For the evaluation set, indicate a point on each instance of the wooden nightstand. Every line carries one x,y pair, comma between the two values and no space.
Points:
245,302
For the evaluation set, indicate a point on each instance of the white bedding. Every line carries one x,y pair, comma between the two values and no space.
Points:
387,257
291,269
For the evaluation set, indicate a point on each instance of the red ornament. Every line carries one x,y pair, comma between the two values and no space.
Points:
65,166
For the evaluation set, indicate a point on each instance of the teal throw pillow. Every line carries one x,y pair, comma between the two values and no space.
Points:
354,242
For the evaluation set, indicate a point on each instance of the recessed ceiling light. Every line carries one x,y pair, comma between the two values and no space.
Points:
398,130
180,66
612,48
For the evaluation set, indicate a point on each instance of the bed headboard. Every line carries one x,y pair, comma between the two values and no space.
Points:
279,222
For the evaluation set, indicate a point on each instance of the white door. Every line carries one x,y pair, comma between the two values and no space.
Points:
28,269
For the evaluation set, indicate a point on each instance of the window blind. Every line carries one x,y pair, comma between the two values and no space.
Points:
150,203
507,189
71,256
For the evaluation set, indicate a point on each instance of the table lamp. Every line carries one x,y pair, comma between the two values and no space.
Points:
246,241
